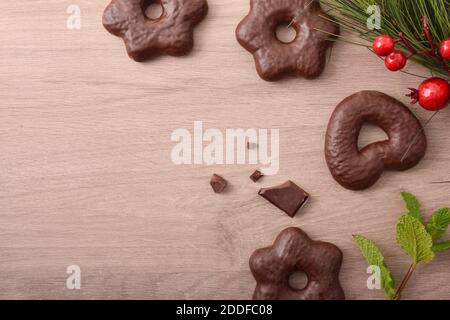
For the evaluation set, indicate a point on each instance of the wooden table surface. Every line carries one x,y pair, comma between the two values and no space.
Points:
86,176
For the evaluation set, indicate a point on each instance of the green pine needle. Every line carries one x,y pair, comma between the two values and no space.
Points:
398,16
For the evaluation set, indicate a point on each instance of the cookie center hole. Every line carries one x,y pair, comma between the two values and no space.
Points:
369,134
298,280
285,33
153,10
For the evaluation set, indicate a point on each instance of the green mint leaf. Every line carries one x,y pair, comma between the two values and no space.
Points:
414,239
439,223
412,205
441,246
374,257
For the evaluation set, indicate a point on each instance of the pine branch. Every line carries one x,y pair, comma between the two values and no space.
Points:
399,16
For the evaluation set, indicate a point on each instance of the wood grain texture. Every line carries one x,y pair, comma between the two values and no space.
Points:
86,176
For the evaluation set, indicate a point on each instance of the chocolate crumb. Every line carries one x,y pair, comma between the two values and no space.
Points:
251,145
218,183
256,176
288,197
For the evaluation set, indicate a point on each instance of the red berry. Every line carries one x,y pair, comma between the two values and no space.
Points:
445,48
433,94
383,45
395,61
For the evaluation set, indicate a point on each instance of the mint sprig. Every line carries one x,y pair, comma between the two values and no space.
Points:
374,258
416,238
441,246
412,205
439,223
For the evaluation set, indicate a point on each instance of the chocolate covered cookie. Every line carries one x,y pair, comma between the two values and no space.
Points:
294,251
359,169
305,55
171,33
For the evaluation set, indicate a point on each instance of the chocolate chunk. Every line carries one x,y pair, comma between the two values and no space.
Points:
251,145
305,55
293,250
288,197
256,176
356,169
218,183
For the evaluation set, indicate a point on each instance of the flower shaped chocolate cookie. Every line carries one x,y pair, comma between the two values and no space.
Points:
171,33
293,250
305,55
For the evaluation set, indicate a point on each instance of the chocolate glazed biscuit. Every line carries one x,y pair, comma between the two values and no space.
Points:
359,169
305,55
293,250
171,34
